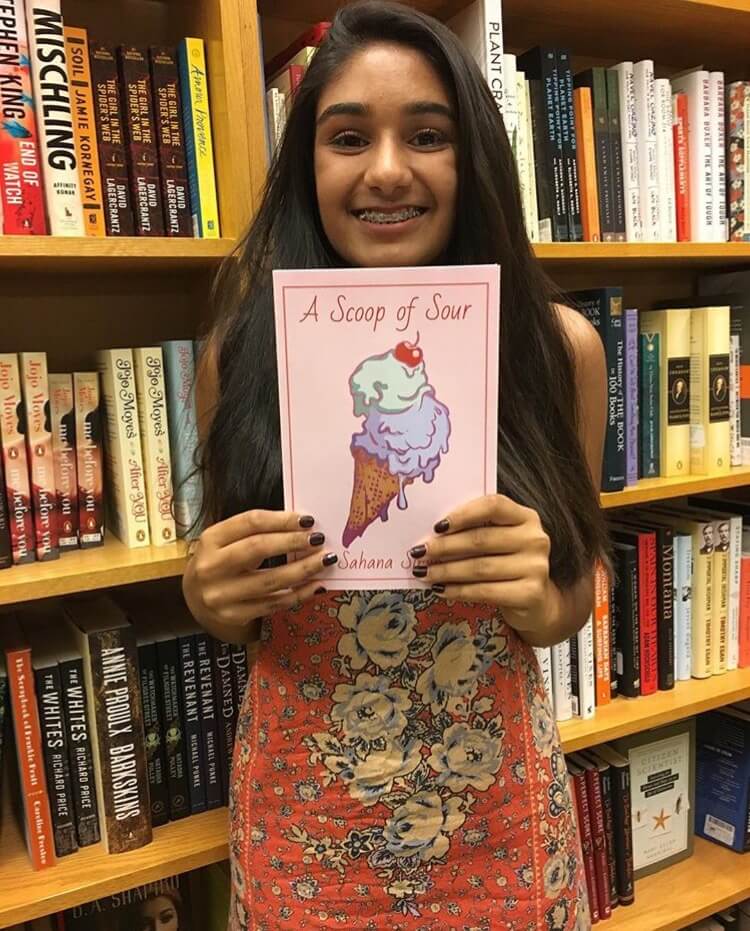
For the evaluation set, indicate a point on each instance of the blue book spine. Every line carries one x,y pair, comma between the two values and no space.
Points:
631,396
179,371
722,779
650,466
189,133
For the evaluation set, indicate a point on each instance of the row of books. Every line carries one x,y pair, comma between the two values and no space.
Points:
677,607
734,918
109,140
57,449
132,709
677,403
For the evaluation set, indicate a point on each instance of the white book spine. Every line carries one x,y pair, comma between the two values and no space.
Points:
152,414
510,103
665,160
696,86
561,684
683,557
735,567
522,155
586,670
492,16
535,235
544,658
735,425
49,71
629,136
718,154
645,114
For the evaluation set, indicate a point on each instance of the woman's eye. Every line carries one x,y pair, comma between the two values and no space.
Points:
428,137
348,140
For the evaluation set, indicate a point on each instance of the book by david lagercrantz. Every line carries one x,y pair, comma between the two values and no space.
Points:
179,367
89,459
20,172
17,488
407,360
106,640
196,115
62,193
63,424
123,456
152,412
39,448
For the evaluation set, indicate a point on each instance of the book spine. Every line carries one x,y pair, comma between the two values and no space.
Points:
718,154
522,156
89,459
615,154
152,412
49,72
209,720
553,95
717,403
21,186
510,104
605,180
696,87
648,181
665,609
532,187
586,673
601,864
140,140
702,595
542,160
615,622
227,710
56,760
151,703
647,613
720,607
586,158
123,456
84,127
113,685
29,753
192,723
681,166
735,424
575,695
628,634
494,47
665,160
629,148
239,673
587,844
544,658
683,569
6,547
631,396
623,826
561,681
614,346
171,141
649,406
735,557
179,799
609,832
79,748
35,389
17,486
62,415
179,367
196,117
569,146
602,631
744,638
118,210
736,95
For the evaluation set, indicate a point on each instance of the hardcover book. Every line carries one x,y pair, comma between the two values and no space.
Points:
411,418
89,458
164,904
63,425
17,486
722,784
6,549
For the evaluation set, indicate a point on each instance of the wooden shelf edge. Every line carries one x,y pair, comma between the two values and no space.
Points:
91,873
658,489
643,253
630,715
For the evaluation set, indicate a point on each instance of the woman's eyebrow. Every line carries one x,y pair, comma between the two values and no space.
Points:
429,107
343,109
416,108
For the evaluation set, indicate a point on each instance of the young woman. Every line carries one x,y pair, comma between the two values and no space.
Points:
397,765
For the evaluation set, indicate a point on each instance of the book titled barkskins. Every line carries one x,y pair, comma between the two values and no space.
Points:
89,458
407,360
17,487
63,425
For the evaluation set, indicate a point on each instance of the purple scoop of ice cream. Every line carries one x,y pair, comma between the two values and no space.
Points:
410,441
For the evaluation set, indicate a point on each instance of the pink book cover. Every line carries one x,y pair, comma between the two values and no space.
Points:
388,392
17,485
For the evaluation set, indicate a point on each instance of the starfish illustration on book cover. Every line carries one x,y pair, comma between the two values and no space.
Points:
404,434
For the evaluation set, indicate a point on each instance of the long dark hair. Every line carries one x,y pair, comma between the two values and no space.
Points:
541,461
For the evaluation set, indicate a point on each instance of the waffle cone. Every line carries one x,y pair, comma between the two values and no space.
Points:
374,489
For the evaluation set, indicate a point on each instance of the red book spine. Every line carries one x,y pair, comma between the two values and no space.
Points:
601,861
681,166
744,657
296,73
585,830
313,37
647,612
28,739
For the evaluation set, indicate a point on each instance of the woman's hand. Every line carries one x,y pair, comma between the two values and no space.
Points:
224,586
496,552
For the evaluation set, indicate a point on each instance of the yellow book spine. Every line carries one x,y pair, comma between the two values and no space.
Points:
720,607
698,391
718,450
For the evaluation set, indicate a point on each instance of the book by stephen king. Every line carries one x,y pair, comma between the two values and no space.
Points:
407,362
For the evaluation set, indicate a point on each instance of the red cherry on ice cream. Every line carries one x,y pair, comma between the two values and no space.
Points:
408,354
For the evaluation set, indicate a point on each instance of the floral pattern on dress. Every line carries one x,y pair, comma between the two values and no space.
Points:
411,755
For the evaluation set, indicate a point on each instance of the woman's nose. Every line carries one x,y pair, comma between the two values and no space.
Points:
389,169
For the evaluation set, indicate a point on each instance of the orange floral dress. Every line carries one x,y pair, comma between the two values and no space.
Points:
397,766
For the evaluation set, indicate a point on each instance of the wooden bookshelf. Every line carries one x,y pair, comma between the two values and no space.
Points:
712,879
629,715
658,489
642,255
86,570
91,872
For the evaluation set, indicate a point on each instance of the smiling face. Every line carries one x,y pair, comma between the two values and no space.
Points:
386,160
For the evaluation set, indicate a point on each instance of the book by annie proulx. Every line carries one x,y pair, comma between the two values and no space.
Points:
388,392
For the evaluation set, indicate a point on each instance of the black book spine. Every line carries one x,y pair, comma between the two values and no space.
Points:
623,834
665,607
192,723
575,679
614,626
615,152
156,763
609,832
209,721
628,634
227,710
56,763
545,188
569,146
596,81
239,673
177,783
4,705
6,548
81,761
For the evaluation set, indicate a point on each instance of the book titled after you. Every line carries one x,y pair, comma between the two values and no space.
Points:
388,392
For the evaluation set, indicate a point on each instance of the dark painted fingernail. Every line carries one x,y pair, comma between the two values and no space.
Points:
417,552
438,587
320,591
330,559
306,522
317,539
419,572
442,526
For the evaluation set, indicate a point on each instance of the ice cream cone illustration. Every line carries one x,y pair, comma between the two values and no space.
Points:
403,436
